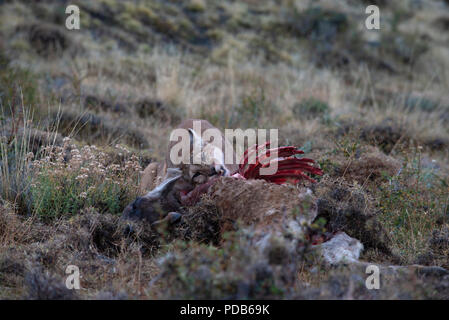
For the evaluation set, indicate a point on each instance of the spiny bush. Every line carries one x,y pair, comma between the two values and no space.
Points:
347,207
310,108
368,166
68,180
385,135
48,40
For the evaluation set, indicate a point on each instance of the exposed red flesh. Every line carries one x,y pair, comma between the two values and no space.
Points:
290,169
288,165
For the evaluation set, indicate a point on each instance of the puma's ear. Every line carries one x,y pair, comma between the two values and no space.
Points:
196,145
195,139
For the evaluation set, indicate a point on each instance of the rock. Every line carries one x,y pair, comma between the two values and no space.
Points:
341,249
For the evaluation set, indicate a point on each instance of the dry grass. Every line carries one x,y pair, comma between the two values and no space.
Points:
370,107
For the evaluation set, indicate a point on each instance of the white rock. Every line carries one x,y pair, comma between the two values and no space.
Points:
341,249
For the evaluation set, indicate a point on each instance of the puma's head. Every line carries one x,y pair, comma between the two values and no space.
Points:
207,156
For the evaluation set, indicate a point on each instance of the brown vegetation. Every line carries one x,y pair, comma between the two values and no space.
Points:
370,106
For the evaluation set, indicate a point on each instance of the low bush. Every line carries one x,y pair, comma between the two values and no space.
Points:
68,180
310,108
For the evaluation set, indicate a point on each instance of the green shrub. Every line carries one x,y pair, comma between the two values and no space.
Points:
63,187
310,108
411,203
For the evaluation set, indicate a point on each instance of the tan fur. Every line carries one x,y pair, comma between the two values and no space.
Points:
154,173
152,176
262,205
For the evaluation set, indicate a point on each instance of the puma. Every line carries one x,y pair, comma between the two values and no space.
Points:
186,167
